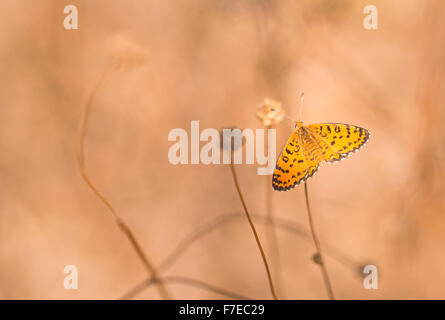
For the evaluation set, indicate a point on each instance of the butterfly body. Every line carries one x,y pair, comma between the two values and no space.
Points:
311,145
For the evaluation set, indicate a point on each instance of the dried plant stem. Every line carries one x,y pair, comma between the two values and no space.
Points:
187,281
206,286
271,233
280,224
260,247
221,220
121,224
320,261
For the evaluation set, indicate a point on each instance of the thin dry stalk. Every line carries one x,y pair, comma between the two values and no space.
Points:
260,247
220,221
121,224
280,224
187,281
319,260
271,234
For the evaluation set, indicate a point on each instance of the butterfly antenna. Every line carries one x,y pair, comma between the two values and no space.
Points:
301,105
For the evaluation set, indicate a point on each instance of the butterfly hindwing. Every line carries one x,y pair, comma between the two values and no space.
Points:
291,167
312,153
339,139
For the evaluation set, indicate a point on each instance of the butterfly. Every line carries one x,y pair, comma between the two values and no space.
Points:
311,145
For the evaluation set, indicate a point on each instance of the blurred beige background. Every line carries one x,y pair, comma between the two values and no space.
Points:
215,61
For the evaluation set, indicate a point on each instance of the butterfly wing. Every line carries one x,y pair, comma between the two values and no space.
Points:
338,140
292,167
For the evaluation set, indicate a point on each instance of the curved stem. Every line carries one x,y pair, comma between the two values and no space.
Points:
271,233
260,247
280,224
219,221
121,224
320,259
188,281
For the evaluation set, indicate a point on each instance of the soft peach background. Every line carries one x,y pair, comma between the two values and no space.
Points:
214,61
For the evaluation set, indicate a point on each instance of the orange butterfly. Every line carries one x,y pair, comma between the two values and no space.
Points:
311,145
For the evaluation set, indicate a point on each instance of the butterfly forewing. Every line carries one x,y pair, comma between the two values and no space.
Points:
339,139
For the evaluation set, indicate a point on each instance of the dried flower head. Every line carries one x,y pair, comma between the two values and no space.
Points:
231,138
316,257
125,53
270,112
